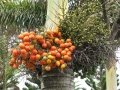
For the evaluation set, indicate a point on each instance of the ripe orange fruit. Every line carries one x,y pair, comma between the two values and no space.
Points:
63,52
13,60
44,54
19,62
68,40
57,41
49,61
26,43
69,53
34,51
48,44
61,61
21,45
32,32
58,55
26,39
21,36
47,68
59,50
15,66
23,51
31,47
53,47
37,56
66,45
39,37
65,57
32,58
62,45
49,31
44,45
32,36
57,63
27,48
53,53
26,34
15,53
40,52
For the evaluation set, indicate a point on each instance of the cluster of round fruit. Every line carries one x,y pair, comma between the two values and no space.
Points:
47,49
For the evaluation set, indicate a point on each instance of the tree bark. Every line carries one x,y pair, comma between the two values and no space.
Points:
56,79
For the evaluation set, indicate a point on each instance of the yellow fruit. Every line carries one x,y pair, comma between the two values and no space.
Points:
49,61
63,66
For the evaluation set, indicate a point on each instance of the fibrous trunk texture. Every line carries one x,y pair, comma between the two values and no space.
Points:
57,80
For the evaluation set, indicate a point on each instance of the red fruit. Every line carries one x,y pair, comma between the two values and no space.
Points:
44,45
32,58
53,47
15,66
19,62
42,62
53,53
58,55
40,52
34,51
23,51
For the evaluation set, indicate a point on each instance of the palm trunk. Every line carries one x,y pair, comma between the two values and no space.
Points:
55,79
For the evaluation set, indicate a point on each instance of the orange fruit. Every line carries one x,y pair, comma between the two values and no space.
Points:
13,60
65,57
15,52
47,68
21,45
19,62
26,43
63,52
44,45
53,53
58,55
61,61
31,47
57,63
68,40
62,45
27,48
26,39
57,41
53,47
32,36
15,66
26,34
32,32
23,51
37,56
49,61
21,36
49,31
44,54
34,51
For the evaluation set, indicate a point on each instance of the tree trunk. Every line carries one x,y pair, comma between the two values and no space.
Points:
55,79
